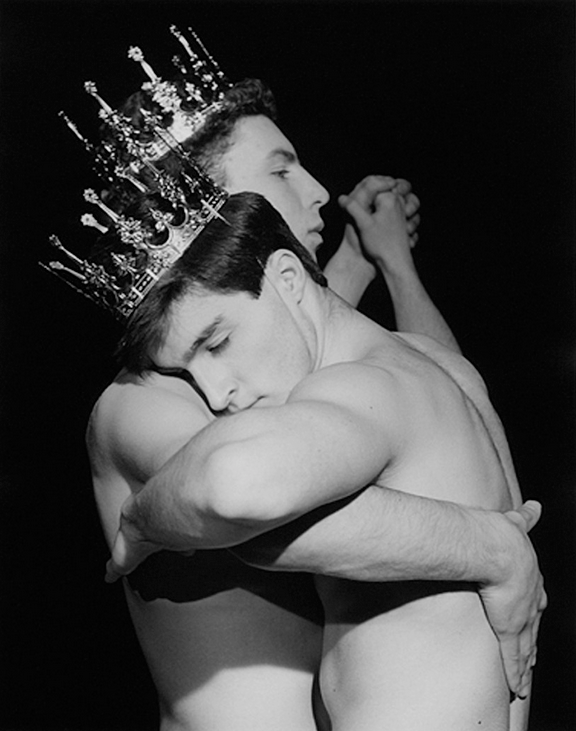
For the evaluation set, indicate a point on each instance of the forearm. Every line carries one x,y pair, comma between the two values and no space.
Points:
414,310
385,535
349,274
181,508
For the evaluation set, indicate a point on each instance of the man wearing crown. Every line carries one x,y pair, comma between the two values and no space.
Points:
231,646
317,402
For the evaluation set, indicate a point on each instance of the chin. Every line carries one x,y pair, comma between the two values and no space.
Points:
313,242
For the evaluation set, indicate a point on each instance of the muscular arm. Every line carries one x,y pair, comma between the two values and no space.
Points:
248,473
360,538
383,535
379,535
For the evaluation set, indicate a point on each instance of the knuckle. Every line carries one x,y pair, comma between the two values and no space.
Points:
387,199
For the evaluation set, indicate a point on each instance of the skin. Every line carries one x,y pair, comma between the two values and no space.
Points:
357,401
263,160
139,423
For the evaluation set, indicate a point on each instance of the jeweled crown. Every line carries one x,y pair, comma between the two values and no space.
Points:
146,218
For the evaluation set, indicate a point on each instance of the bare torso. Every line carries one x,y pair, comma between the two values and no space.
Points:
421,655
402,656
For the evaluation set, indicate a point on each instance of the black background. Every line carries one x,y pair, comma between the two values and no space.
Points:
472,102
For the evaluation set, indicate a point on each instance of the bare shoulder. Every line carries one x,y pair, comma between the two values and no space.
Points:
369,386
456,365
139,422
391,373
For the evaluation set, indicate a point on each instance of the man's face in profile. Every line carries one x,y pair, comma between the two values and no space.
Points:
262,160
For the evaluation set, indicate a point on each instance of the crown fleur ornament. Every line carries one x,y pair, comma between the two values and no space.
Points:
145,218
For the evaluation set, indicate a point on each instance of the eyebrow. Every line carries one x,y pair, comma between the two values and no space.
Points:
287,155
205,335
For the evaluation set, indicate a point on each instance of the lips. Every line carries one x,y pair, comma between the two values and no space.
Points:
315,233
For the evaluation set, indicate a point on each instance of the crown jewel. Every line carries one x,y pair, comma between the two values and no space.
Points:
146,218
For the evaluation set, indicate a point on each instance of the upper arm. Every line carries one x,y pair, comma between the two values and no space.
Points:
132,432
339,430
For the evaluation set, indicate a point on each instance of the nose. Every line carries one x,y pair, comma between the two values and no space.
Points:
316,194
216,384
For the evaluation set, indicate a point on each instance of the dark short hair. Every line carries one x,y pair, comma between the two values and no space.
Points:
228,256
247,98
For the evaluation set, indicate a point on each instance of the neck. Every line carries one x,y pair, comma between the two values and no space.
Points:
342,333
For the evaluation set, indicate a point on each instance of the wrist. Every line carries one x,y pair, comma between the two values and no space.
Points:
349,273
349,258
502,548
399,270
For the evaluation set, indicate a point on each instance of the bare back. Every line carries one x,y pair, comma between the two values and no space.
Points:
211,628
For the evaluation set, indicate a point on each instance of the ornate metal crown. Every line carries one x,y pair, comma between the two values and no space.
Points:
147,217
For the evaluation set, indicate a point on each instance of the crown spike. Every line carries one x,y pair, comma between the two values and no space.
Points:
73,128
207,54
135,54
59,267
57,244
179,64
90,196
89,220
123,173
178,35
90,88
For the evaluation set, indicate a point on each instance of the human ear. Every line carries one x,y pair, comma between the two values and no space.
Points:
288,272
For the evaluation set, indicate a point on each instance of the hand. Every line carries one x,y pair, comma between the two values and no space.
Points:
385,212
514,606
130,547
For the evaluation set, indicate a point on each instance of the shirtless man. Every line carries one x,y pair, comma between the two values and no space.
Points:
338,403
213,600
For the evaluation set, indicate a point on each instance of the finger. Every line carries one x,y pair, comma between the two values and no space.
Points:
527,648
413,223
366,191
532,512
112,574
402,187
412,203
360,215
351,237
525,685
509,649
543,603
387,200
526,678
390,203
414,240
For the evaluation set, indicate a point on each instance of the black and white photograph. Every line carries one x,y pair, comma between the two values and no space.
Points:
288,365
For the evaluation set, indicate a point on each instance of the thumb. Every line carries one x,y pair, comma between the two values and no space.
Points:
351,237
112,574
353,208
531,511
526,516
116,560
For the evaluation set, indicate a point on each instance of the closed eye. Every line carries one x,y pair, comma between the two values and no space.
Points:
218,347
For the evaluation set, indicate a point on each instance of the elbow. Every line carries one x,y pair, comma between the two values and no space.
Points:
238,491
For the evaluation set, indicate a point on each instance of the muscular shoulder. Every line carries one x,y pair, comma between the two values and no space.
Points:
367,394
456,365
138,423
